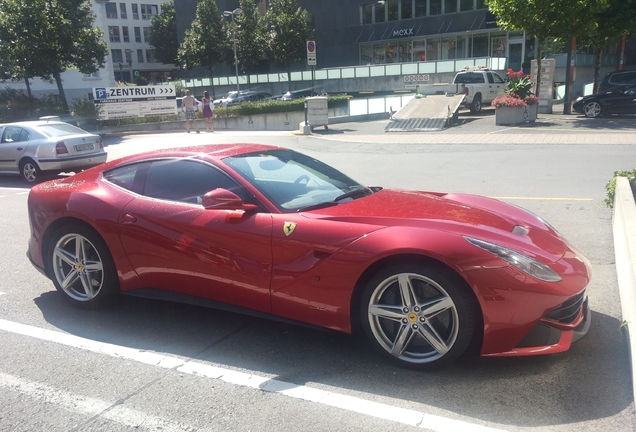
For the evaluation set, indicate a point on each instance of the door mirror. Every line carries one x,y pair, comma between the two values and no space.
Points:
223,199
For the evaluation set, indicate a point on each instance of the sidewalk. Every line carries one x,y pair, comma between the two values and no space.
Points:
481,129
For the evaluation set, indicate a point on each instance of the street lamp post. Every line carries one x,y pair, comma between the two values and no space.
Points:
228,14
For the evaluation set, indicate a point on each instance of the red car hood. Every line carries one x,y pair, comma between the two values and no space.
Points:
471,215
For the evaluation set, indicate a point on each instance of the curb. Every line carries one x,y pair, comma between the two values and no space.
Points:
624,229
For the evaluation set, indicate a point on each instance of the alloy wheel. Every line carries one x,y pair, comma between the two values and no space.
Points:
77,267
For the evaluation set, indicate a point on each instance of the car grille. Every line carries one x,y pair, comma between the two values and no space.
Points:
568,311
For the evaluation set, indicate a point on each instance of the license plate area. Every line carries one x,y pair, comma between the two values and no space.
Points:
83,147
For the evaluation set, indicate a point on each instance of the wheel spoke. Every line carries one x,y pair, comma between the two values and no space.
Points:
80,251
65,256
93,266
386,311
406,290
86,283
432,337
437,306
402,340
69,280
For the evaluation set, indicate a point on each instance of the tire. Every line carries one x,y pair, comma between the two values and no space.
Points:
30,171
82,268
475,107
592,109
420,316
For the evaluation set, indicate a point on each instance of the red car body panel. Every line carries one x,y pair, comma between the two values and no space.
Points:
252,260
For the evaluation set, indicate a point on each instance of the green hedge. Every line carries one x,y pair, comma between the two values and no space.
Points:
610,187
275,106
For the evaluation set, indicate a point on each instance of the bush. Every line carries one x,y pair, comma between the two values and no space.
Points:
85,112
274,106
610,187
15,105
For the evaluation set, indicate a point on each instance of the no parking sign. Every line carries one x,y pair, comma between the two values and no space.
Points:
311,53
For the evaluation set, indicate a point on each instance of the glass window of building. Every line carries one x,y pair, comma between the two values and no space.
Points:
464,47
366,54
150,56
367,14
111,10
448,48
435,7
498,45
146,34
432,49
122,11
419,50
450,6
480,45
113,33
124,33
393,10
140,56
135,11
404,52
481,4
379,52
466,5
148,11
391,53
379,10
420,8
406,9
138,34
116,55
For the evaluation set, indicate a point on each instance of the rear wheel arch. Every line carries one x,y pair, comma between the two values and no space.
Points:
53,228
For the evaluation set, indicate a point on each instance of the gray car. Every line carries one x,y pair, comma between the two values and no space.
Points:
32,148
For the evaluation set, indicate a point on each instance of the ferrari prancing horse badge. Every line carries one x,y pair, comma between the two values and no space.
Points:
289,228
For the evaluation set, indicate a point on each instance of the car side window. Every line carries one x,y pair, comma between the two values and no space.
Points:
497,78
187,181
491,80
12,134
129,177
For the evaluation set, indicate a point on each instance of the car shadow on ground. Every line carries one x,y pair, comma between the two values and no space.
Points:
586,383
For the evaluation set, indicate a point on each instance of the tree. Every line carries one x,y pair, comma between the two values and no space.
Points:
46,37
611,19
290,28
543,19
204,43
251,30
163,35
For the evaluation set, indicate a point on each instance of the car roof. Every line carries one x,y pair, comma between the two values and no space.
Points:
209,151
34,123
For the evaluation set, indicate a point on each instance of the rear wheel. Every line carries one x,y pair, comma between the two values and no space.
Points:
30,171
475,107
82,268
592,109
420,316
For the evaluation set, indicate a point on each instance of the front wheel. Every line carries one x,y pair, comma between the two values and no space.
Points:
592,109
82,268
420,316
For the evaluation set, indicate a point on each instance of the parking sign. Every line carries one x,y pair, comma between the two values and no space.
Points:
311,53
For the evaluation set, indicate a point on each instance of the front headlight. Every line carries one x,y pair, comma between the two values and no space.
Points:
524,263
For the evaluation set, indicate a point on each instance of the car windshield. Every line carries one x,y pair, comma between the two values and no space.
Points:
296,182
60,129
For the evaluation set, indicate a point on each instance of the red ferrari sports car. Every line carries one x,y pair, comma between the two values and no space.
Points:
272,232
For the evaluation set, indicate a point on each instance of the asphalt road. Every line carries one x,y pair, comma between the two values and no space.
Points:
148,365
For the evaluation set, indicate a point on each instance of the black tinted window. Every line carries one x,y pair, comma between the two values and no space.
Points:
469,78
623,78
125,176
186,181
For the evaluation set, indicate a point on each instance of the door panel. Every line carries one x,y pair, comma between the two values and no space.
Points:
12,145
216,254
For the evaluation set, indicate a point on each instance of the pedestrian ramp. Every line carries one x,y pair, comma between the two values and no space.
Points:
428,113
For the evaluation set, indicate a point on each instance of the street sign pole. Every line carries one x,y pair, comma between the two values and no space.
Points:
311,59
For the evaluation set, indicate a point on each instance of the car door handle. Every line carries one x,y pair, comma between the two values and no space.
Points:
19,149
128,219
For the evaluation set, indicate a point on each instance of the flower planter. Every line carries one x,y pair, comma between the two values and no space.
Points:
515,115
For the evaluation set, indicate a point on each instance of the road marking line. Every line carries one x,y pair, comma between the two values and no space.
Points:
10,188
23,193
542,198
333,399
90,406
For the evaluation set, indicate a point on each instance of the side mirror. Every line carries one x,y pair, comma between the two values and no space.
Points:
223,199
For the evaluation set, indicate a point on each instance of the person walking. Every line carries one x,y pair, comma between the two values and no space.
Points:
208,114
190,106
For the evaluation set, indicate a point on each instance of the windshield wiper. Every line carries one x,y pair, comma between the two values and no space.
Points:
363,191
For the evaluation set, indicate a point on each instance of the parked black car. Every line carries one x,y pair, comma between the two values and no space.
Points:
616,79
621,100
298,94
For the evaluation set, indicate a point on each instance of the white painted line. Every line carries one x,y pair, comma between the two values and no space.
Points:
90,406
10,188
341,401
23,193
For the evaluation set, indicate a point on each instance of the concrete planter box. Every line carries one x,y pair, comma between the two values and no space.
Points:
515,115
624,229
